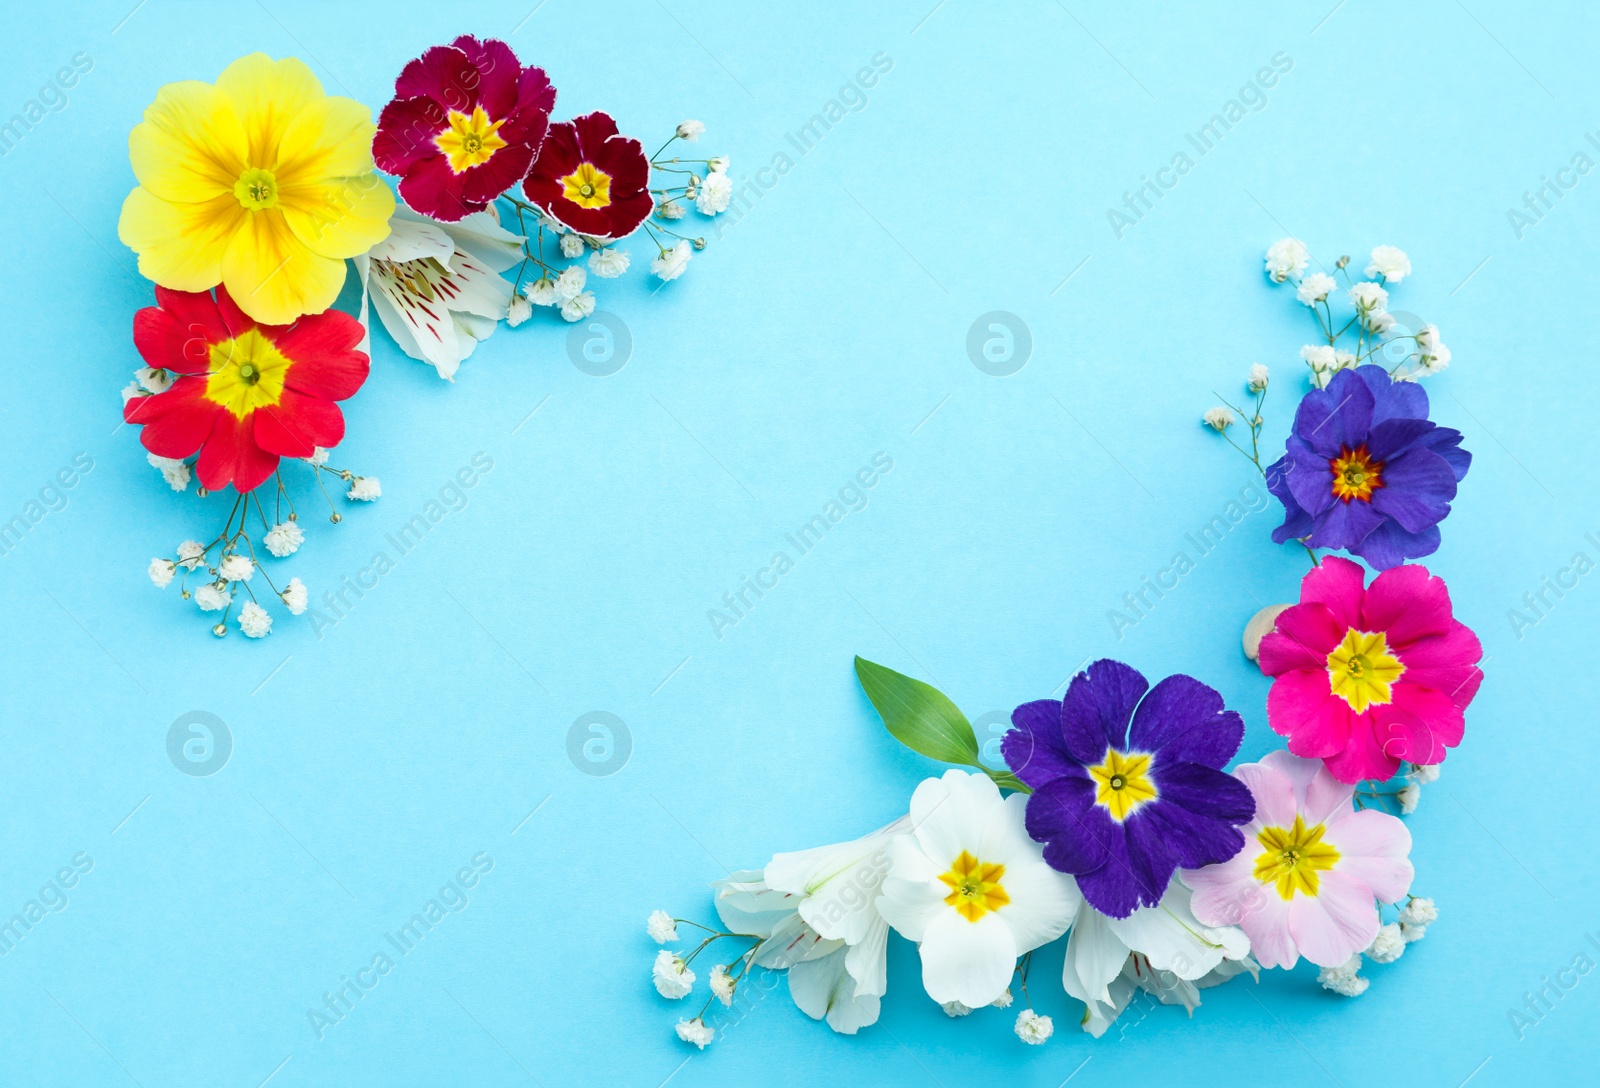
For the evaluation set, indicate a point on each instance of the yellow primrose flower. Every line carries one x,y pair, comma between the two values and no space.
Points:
260,182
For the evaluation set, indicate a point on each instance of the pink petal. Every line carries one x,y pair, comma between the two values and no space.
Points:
1336,583
1407,604
1317,794
1336,923
1303,707
1273,791
1373,848
1363,756
1302,638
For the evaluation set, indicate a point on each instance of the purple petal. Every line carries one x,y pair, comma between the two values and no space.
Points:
1184,720
1392,399
1309,478
1095,713
1394,437
1205,791
1076,832
1389,545
1417,489
1345,524
1195,840
1033,748
1113,889
1446,442
1337,416
1150,854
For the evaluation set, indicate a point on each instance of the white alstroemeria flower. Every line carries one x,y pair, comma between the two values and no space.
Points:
437,286
1162,950
816,910
971,887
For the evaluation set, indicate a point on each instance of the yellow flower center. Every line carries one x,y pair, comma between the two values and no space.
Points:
587,186
1355,474
470,140
256,189
974,887
247,373
1361,669
1124,780
1292,857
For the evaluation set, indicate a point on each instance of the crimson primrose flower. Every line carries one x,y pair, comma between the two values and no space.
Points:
466,122
591,179
246,394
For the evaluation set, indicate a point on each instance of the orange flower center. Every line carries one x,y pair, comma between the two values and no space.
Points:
1355,474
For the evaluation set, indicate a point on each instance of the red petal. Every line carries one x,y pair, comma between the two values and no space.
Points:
170,344
443,74
497,68
431,188
297,424
530,120
482,183
231,455
327,365
175,422
593,129
237,321
406,131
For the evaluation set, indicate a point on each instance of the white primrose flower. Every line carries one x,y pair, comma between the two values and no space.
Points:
1032,1028
816,912
1388,945
437,286
578,307
695,1031
541,292
1287,257
254,620
1218,419
236,568
715,193
670,263
284,538
1344,979
1163,950
571,245
364,489
722,984
690,130
520,310
608,263
190,554
970,886
569,284
153,379
1390,263
161,572
671,209
661,927
1258,377
671,975
212,597
172,469
1315,288
294,596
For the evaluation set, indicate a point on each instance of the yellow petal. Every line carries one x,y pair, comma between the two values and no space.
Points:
180,246
329,138
343,218
273,276
268,94
190,145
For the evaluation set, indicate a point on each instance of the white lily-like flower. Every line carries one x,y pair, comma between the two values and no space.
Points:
437,286
815,910
971,887
1162,950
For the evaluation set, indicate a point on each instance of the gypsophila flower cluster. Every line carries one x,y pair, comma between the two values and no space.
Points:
226,567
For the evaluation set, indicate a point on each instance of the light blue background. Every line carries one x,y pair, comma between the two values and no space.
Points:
826,325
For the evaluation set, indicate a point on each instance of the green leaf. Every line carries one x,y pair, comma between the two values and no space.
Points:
919,715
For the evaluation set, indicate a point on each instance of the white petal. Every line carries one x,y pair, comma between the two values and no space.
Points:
747,905
412,238
1043,901
912,895
1098,1016
823,988
868,960
482,237
948,814
430,337
969,962
1172,940
1095,956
